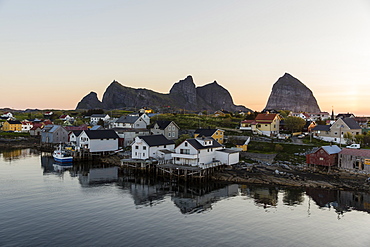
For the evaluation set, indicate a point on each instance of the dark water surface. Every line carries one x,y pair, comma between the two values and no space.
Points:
46,205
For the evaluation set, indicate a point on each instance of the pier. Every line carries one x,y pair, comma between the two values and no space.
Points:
167,169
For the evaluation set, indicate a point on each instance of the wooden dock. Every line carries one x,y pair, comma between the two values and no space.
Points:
184,172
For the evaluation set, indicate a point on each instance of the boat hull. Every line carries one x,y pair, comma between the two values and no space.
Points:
64,159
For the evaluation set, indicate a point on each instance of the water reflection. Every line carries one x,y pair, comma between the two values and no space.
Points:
194,197
263,196
95,176
341,201
11,155
188,197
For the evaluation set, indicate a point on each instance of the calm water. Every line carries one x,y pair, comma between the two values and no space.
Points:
46,205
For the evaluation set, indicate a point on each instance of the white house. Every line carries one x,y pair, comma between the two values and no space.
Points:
73,136
132,121
152,146
7,115
303,115
98,140
94,118
26,126
204,152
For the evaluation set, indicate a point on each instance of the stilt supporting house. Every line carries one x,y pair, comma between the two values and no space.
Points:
182,172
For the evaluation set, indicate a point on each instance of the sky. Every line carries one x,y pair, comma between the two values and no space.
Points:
53,53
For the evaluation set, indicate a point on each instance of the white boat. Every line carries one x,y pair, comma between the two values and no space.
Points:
61,156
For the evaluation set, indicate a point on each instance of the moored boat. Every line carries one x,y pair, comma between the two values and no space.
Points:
62,156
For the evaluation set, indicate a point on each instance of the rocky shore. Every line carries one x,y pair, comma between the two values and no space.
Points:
297,176
19,143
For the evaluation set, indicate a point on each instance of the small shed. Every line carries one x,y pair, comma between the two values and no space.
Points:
355,159
324,156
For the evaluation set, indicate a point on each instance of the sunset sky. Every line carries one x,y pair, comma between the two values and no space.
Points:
53,53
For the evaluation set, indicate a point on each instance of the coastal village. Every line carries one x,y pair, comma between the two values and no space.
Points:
145,140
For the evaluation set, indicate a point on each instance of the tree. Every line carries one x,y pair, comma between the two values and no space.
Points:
348,137
359,139
101,123
182,138
294,123
284,113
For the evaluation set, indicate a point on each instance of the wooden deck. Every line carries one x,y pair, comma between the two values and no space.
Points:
168,169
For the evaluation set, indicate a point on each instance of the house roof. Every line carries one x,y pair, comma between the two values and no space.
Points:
206,132
14,122
249,121
228,150
99,115
344,115
127,119
351,123
197,145
76,132
356,152
99,134
265,117
72,128
96,127
50,128
163,124
322,127
333,149
130,129
156,140
165,151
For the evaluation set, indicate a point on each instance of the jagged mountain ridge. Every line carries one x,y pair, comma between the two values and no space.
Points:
288,93
183,95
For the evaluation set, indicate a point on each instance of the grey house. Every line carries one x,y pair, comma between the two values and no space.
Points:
167,128
54,134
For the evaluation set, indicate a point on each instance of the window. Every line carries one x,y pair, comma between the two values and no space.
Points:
143,154
173,134
164,146
169,134
136,147
184,151
186,144
144,147
173,128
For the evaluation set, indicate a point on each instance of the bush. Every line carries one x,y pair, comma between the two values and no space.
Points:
279,148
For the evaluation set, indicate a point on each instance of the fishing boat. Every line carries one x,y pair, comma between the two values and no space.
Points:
62,156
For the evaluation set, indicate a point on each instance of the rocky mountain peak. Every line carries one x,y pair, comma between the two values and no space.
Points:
183,95
288,93
90,101
186,89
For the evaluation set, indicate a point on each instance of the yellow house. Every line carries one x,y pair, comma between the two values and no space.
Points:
12,126
243,144
268,124
216,134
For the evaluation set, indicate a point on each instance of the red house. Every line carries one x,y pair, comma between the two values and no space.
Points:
324,156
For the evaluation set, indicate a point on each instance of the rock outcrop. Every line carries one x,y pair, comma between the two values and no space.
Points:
288,93
90,101
183,95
